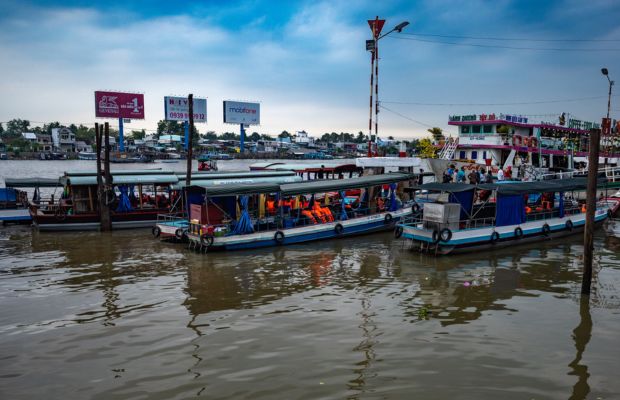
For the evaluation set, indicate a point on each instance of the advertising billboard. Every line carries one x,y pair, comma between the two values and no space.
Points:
119,105
177,109
236,112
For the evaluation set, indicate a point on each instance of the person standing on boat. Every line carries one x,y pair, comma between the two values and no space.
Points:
320,173
421,177
473,177
460,176
500,174
488,177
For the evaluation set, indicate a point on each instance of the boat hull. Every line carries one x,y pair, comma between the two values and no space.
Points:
83,222
356,226
469,240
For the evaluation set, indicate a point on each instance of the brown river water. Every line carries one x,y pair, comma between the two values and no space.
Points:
123,316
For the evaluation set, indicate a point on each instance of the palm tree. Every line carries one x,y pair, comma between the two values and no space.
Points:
437,134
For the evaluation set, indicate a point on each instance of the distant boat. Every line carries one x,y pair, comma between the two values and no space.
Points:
87,155
170,161
136,159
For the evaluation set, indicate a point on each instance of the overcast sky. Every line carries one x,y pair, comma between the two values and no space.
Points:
306,63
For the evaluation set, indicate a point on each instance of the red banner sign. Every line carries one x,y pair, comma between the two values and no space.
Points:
376,25
606,126
119,105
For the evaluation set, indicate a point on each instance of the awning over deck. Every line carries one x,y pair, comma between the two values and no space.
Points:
235,174
122,180
235,189
334,185
31,182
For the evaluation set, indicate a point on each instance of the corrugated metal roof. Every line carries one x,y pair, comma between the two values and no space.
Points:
31,182
237,189
333,185
235,174
157,171
122,180
208,183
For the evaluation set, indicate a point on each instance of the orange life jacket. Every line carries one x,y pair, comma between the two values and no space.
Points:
271,206
308,214
328,214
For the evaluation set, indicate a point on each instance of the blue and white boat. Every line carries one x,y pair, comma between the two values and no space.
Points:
246,216
467,217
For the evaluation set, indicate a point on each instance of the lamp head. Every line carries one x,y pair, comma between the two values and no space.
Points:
604,71
400,26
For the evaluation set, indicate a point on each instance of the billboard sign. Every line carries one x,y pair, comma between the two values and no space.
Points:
177,109
119,105
236,112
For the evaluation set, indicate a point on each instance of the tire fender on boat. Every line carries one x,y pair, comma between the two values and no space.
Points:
546,229
569,225
206,240
415,208
518,232
178,233
398,232
156,231
339,229
494,237
436,236
279,237
388,219
445,235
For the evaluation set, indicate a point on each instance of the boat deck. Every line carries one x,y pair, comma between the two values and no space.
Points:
15,216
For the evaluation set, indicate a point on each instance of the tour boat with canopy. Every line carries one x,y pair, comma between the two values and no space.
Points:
245,216
467,217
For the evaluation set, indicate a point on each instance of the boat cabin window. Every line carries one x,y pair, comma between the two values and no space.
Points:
487,128
462,155
474,155
465,129
476,129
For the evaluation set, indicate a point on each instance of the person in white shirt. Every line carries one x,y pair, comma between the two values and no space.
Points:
500,175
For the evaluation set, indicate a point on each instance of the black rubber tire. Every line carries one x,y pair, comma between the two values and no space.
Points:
60,215
206,240
388,219
156,231
518,232
436,236
569,225
415,208
179,233
445,235
494,237
546,229
398,232
339,229
279,237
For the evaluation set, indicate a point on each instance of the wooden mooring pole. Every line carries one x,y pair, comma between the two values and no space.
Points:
588,234
188,177
104,211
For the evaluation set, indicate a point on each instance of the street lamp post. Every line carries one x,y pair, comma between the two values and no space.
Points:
373,46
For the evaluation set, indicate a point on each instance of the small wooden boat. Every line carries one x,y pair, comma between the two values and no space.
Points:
490,216
246,216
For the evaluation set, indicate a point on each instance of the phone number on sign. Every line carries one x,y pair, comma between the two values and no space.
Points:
180,115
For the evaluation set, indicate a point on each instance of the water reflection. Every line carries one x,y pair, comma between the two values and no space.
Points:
581,336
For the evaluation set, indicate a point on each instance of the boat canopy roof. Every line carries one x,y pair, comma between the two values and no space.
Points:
157,171
234,189
405,162
31,182
335,185
208,183
514,187
313,167
122,180
235,174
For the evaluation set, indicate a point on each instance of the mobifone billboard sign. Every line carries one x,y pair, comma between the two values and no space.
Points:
236,112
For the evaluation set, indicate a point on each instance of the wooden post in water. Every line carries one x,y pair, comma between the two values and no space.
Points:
104,212
190,100
588,234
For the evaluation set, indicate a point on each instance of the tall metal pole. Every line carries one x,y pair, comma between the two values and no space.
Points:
372,77
186,129
588,235
121,135
188,178
376,95
241,139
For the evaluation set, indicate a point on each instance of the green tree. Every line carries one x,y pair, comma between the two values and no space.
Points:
210,135
48,127
427,149
15,127
229,136
437,134
85,134
1,129
170,128
255,137
264,136
361,138
138,134
284,134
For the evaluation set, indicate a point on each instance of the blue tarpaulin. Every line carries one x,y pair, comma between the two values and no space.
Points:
465,199
244,224
124,205
343,212
393,205
510,210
